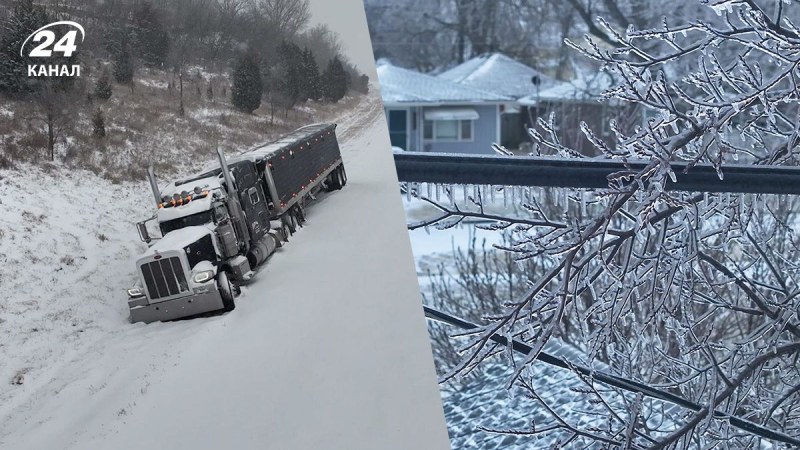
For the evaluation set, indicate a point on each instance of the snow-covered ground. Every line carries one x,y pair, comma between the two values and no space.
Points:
327,348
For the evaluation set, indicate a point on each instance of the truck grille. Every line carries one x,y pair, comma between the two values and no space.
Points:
164,278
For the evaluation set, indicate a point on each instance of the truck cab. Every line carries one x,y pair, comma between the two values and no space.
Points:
183,273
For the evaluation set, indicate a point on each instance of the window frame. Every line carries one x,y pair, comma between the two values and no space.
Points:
460,127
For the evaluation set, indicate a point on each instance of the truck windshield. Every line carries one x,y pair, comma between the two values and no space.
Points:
201,218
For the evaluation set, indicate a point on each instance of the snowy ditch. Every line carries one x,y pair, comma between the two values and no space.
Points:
74,373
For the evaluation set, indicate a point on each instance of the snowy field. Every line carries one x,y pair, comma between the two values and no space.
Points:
327,348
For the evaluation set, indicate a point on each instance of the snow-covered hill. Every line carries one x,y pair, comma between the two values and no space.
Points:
327,348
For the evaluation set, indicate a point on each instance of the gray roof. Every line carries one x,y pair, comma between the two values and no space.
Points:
399,85
586,87
496,72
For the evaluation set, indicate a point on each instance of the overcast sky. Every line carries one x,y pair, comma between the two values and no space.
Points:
347,18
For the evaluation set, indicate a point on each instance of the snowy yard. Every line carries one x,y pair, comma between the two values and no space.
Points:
329,332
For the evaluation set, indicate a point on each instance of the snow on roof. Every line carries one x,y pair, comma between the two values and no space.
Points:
197,205
400,85
582,88
496,72
483,401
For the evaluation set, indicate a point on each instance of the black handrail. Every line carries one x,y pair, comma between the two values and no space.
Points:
448,168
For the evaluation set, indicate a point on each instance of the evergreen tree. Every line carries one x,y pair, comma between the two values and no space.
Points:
102,87
24,19
247,84
335,81
150,39
123,64
311,88
99,124
290,60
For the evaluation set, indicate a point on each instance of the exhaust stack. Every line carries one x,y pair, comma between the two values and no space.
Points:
235,209
151,175
223,163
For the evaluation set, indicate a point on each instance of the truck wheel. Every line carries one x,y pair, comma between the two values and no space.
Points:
333,181
343,176
226,291
338,179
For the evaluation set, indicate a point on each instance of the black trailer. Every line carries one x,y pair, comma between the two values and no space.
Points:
295,165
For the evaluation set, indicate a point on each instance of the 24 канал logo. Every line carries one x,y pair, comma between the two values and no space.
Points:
50,45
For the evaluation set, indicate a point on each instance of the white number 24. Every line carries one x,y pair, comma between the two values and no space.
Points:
65,45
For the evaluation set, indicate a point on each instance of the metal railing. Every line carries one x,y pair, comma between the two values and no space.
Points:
586,173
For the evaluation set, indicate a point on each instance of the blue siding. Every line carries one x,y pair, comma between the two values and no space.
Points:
484,132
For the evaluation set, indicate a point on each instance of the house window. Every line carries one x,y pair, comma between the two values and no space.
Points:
447,130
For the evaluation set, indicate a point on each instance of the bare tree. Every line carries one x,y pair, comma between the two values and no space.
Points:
286,17
696,294
53,107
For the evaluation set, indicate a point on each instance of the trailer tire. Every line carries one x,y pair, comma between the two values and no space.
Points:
333,181
337,178
343,176
226,291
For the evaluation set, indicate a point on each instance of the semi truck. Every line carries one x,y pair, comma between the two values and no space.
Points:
217,226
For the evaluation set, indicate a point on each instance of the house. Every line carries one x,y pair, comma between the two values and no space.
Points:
488,99
574,102
500,74
432,114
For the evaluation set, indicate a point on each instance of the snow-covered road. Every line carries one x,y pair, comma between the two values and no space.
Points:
327,348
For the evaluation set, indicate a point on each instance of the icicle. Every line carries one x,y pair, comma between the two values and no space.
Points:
408,192
583,204
505,197
492,190
430,190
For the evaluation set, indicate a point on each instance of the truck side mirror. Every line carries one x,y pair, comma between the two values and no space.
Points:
143,234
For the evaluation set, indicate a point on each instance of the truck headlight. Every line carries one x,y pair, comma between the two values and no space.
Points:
202,277
135,292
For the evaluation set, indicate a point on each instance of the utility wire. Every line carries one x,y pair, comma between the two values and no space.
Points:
616,381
